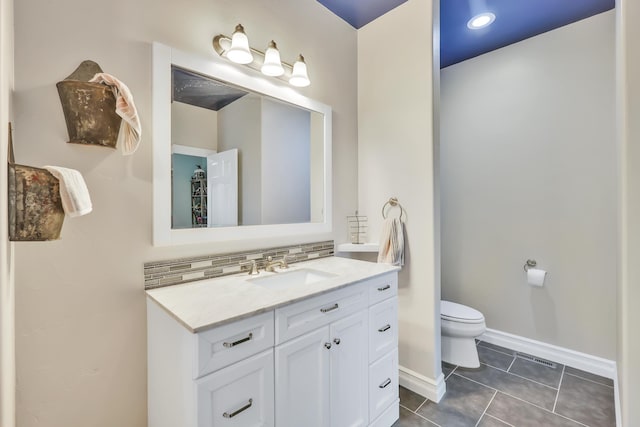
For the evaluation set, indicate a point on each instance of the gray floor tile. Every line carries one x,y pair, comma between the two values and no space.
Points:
489,421
462,405
447,368
589,376
507,383
409,419
537,372
494,358
586,402
496,348
522,414
410,399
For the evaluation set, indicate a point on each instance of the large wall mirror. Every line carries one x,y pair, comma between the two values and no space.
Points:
236,156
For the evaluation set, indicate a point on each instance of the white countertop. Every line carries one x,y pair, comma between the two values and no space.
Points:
207,303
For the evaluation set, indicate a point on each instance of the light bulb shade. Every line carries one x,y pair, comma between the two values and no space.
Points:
299,76
239,51
272,65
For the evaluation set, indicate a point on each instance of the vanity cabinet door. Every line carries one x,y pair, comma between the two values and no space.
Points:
302,389
240,395
349,371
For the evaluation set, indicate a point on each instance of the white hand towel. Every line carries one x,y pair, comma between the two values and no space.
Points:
73,191
392,242
130,130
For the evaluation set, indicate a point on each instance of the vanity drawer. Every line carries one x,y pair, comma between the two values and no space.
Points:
383,328
383,384
383,287
240,395
296,319
227,344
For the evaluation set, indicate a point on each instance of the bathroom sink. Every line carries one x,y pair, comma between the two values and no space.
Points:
285,279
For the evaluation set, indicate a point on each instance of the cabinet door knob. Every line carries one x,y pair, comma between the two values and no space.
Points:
337,341
327,345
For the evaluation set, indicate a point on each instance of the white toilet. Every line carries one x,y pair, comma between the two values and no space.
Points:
460,326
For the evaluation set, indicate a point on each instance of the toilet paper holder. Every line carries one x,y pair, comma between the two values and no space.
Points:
531,263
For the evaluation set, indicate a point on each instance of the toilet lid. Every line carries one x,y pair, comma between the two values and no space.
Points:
458,312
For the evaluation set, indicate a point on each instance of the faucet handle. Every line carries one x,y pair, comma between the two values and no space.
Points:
254,267
285,264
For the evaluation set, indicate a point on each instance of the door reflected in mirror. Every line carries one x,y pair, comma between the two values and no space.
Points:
242,158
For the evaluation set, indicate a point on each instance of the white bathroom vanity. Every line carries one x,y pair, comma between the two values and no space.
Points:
313,345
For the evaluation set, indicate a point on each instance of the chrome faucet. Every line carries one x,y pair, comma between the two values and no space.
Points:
271,264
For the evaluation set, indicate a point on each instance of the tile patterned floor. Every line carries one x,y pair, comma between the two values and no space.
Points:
512,391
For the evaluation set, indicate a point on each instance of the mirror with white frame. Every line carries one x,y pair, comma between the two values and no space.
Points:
236,156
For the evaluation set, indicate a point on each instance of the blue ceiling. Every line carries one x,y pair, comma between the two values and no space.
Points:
516,20
358,13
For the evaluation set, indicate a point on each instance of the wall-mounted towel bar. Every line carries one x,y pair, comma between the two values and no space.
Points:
392,202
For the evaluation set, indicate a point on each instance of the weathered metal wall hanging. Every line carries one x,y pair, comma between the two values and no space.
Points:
35,208
89,108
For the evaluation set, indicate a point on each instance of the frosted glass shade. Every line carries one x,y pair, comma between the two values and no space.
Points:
239,51
272,65
299,76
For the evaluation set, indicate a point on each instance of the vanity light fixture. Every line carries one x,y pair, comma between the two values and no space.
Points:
481,20
239,52
272,65
236,49
299,76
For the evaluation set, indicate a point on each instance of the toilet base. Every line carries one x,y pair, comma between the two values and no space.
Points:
460,351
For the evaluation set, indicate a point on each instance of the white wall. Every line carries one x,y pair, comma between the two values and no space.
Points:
395,158
239,126
529,171
80,305
286,164
628,14
7,297
194,126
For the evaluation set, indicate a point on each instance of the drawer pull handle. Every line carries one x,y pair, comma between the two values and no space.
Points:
235,343
384,328
384,288
244,408
386,383
327,345
328,309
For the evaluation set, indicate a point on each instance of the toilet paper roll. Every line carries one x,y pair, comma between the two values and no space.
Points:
535,277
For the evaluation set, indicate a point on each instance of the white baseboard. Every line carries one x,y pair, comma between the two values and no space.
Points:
418,383
586,362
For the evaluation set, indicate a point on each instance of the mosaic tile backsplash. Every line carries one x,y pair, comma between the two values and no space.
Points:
177,271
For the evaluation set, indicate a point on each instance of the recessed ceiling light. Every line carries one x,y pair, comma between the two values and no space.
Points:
482,20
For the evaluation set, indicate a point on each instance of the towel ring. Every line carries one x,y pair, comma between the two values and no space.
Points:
393,202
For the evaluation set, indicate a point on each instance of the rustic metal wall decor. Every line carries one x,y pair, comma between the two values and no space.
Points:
35,208
89,108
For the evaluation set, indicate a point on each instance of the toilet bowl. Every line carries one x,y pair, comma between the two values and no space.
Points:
460,326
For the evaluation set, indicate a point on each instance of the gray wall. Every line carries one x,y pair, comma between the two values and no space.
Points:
396,127
239,125
7,288
183,167
628,14
529,171
80,305
286,164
